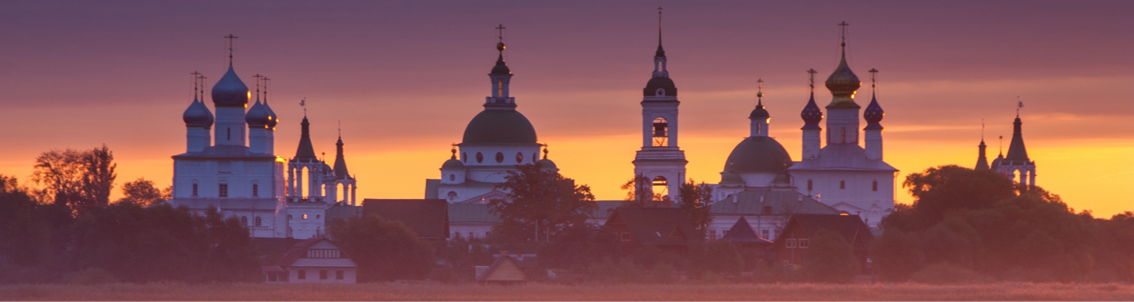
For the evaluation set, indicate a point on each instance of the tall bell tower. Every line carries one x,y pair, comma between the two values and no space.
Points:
660,161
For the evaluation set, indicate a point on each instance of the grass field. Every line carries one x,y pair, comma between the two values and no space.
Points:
999,291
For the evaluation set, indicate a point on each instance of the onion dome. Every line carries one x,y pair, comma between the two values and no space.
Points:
759,113
500,126
500,67
873,114
729,178
811,114
257,116
843,82
197,115
453,163
273,119
230,91
758,154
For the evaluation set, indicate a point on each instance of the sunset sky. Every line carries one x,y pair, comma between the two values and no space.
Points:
404,78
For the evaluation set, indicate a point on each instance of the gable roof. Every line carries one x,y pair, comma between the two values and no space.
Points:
299,250
426,217
782,202
849,226
504,269
656,226
742,232
470,213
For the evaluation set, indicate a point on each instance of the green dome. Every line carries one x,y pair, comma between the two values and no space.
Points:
500,126
547,164
758,154
731,178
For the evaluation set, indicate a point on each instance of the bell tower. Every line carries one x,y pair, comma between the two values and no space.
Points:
660,161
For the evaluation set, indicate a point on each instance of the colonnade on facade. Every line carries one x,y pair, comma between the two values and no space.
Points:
1022,174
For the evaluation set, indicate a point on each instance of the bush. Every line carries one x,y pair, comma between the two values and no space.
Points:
944,273
830,259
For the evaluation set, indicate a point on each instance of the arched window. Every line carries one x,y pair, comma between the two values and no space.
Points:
809,185
500,88
222,190
874,186
452,177
660,186
244,220
499,157
259,221
194,190
661,132
452,196
842,184
759,129
255,190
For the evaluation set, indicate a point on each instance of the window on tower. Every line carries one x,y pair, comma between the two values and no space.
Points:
844,134
842,184
660,184
809,185
259,221
874,186
500,88
244,220
255,190
661,132
222,190
194,190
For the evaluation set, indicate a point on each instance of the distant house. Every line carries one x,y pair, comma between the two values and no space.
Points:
314,260
506,269
471,220
429,218
750,245
766,210
791,246
667,229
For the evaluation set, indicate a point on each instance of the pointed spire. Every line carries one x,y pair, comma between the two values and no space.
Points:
661,51
340,160
982,159
305,151
873,113
811,114
230,38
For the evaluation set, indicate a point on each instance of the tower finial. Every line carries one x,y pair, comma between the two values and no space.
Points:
303,103
659,26
545,151
812,73
873,79
201,83
340,129
1019,104
759,92
500,35
266,79
196,77
1001,145
230,38
843,40
982,130
258,79
454,150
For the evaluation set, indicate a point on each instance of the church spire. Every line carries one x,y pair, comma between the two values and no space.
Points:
500,76
661,51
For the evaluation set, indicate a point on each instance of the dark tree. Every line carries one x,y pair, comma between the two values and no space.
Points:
945,188
80,180
577,247
830,258
1114,252
142,192
695,200
542,203
384,250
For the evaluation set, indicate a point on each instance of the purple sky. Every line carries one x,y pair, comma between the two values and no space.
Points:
405,77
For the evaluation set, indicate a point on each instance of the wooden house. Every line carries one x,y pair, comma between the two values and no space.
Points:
315,260
792,245
667,229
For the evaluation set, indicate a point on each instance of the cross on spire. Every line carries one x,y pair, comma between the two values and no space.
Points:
230,38
659,25
258,79
759,91
544,151
873,78
1019,104
201,82
844,33
196,77
500,32
303,103
812,73
266,79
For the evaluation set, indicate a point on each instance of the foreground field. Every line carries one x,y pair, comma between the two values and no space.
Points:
999,291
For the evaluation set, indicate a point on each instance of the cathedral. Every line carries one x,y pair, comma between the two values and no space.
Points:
843,176
495,142
238,172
